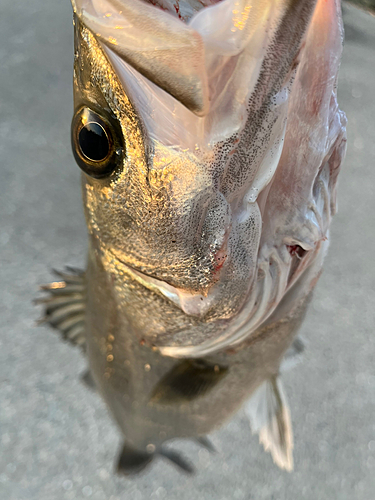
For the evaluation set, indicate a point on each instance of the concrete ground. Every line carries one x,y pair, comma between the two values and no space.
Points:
57,440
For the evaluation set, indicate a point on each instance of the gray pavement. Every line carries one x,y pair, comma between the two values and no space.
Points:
57,440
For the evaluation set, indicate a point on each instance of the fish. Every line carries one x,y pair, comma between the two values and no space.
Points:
210,140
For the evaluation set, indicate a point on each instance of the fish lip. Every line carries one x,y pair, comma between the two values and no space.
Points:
192,304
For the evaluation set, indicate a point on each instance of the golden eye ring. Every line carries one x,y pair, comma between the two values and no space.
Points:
95,143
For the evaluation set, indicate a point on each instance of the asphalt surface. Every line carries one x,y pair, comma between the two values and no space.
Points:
57,440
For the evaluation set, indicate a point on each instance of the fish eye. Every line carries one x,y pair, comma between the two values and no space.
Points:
95,143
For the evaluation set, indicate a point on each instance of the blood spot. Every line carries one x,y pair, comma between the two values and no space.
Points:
296,251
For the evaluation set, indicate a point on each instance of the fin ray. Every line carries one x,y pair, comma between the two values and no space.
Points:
64,306
53,302
269,417
68,278
65,311
61,288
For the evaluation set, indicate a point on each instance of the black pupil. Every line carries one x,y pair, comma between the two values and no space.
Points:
93,141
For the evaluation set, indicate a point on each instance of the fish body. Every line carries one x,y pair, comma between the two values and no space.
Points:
210,140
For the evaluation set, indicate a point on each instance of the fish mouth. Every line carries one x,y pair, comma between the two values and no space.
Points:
275,276
192,304
265,302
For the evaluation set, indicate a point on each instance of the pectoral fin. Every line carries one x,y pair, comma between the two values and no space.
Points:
187,381
64,306
269,417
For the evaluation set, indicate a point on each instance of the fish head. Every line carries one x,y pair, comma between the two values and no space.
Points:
203,163
152,204
155,207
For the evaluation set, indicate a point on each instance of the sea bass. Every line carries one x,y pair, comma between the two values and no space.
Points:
210,141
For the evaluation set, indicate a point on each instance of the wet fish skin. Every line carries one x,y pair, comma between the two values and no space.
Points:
136,374
202,258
